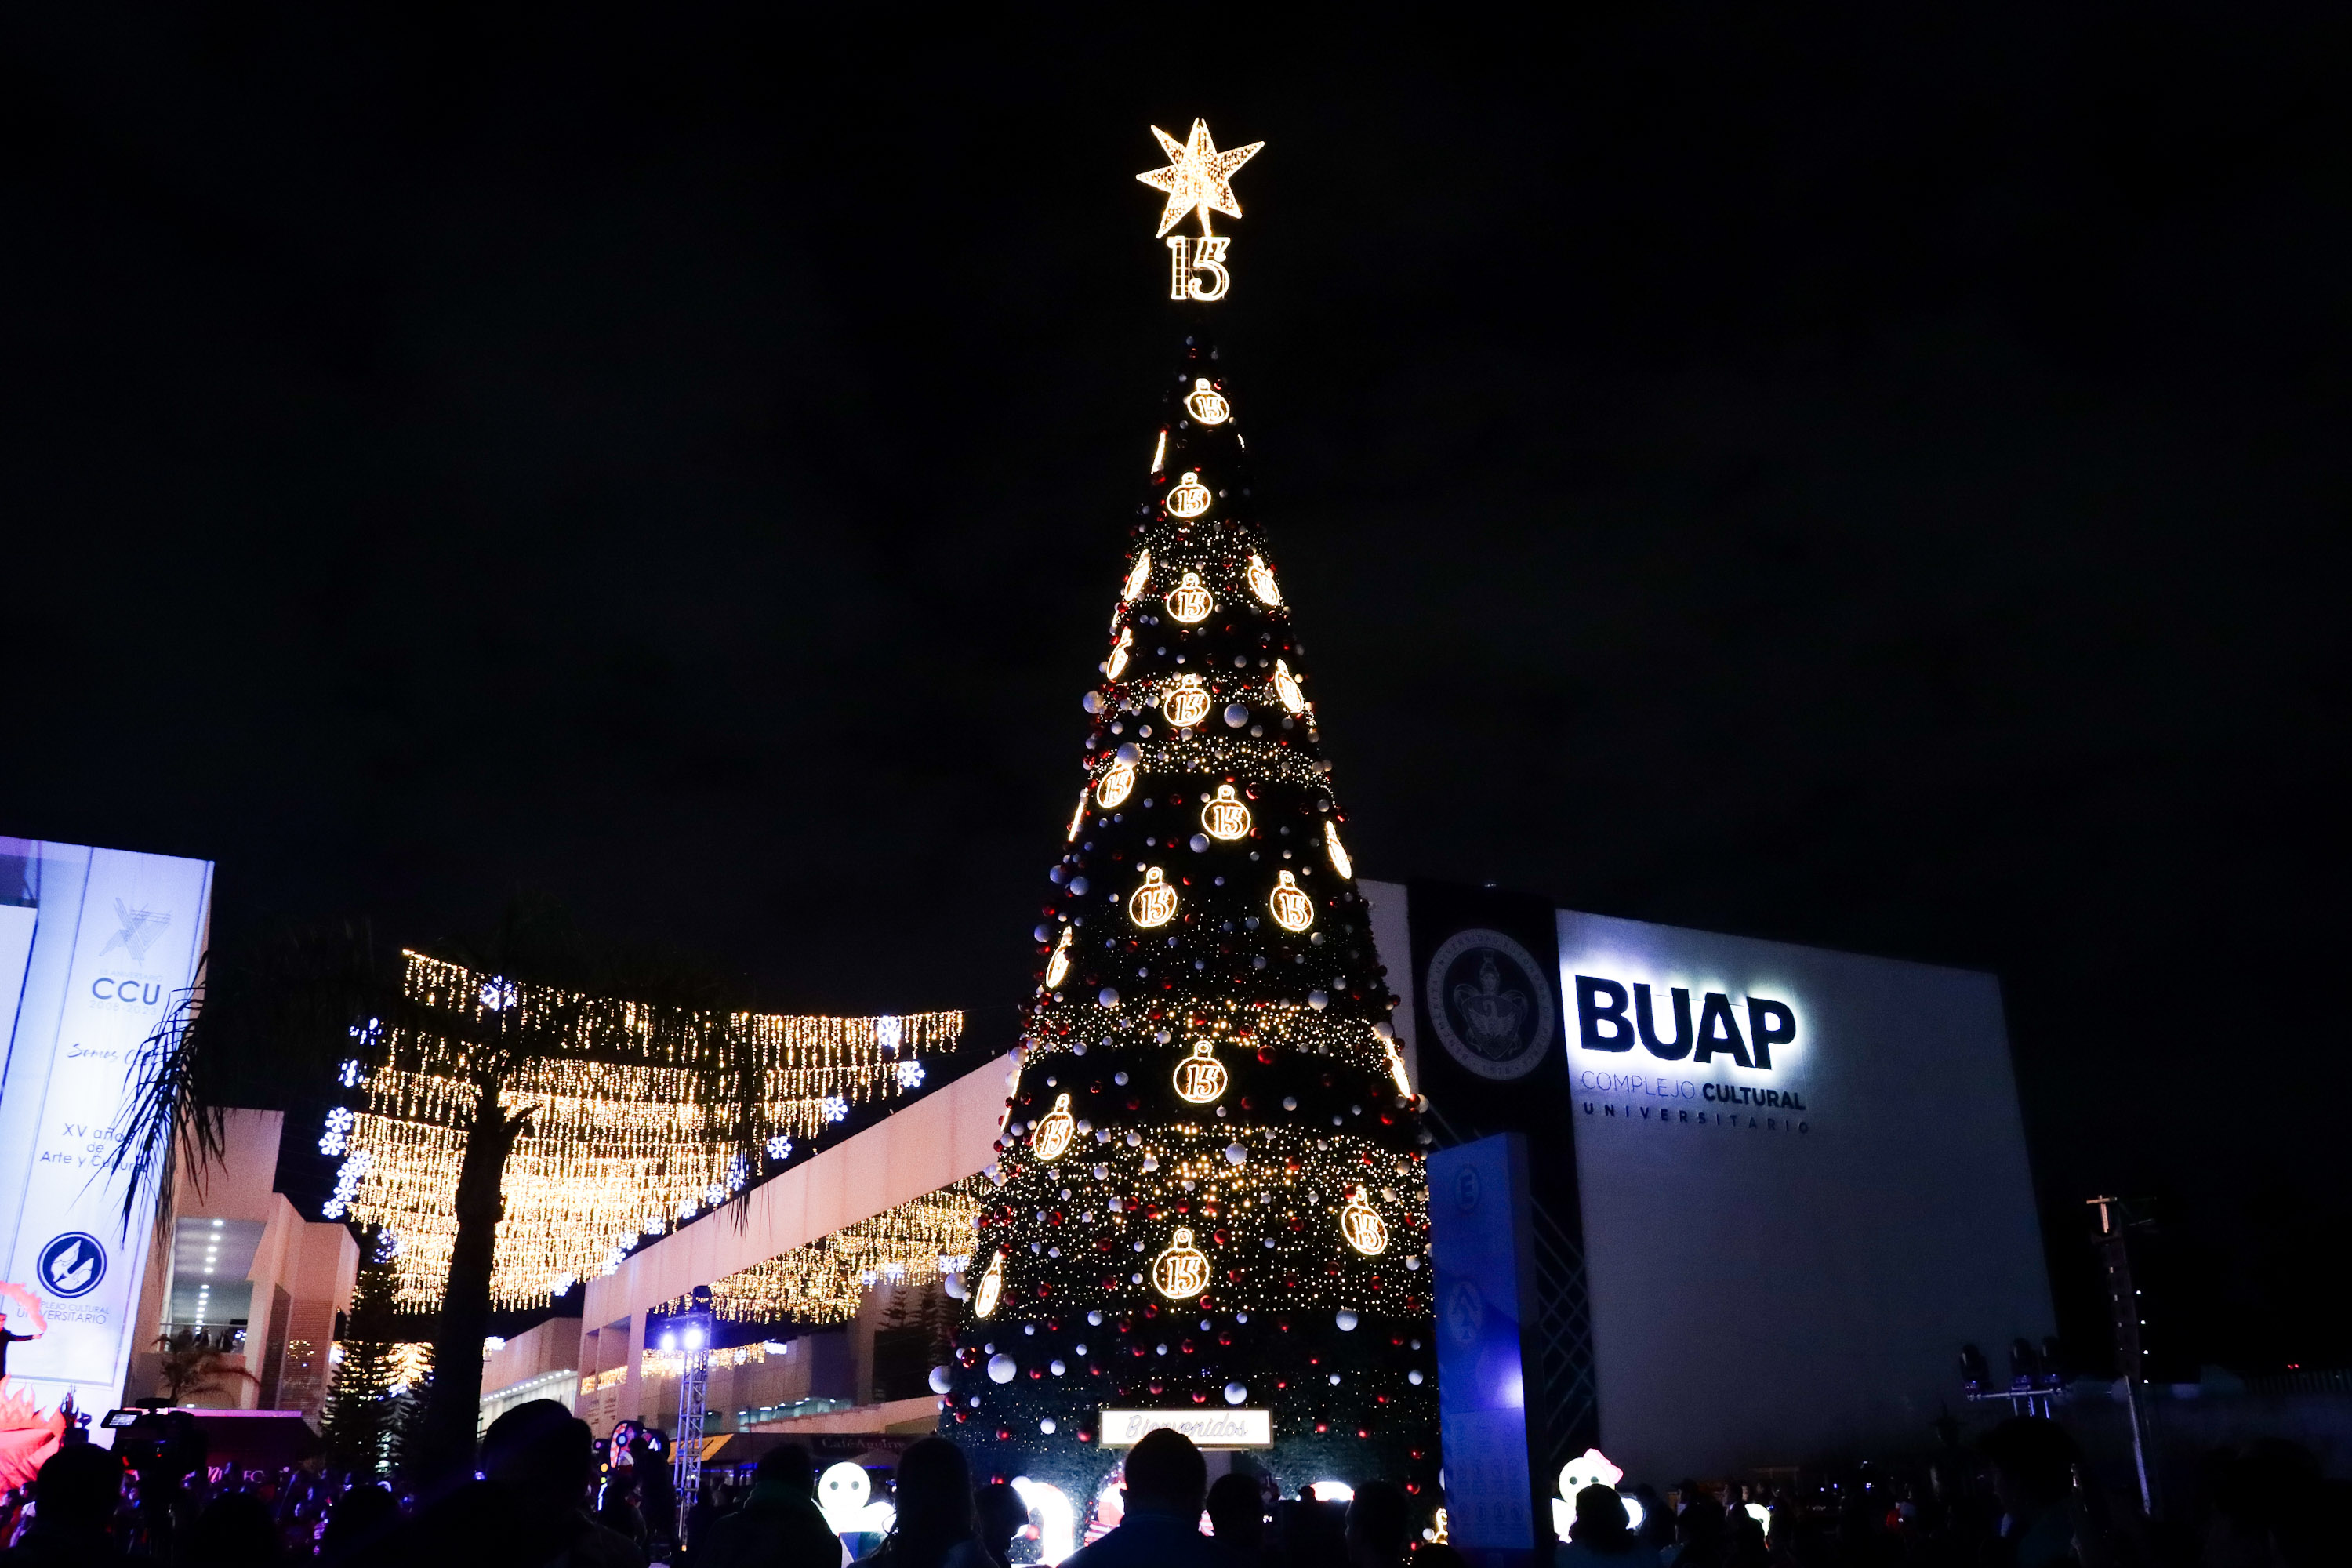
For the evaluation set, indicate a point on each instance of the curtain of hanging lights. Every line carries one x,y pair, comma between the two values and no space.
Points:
916,1243
635,1116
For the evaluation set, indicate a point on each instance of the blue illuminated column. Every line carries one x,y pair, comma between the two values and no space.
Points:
1482,1252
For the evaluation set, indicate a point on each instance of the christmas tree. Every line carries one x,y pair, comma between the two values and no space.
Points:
362,1411
1211,1199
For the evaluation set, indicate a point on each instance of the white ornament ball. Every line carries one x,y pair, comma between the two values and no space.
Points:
1045,1425
1091,703
1127,753
1236,715
1235,1392
1318,1000
942,1380
1413,1377
1346,1322
1003,1368
1199,843
1095,1320
1108,997
1236,1154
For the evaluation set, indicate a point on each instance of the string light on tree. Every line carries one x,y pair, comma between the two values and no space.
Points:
1292,909
1188,498
1201,1077
1224,817
1153,902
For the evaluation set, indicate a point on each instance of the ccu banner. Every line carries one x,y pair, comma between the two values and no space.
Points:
98,945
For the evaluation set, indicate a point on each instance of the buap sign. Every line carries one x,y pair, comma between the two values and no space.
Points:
1613,1016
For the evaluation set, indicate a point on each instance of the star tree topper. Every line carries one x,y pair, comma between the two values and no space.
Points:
1197,177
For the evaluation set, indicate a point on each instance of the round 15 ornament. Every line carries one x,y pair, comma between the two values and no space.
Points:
1186,702
1201,1077
1116,784
1051,1141
1153,902
1182,1272
1189,602
1189,498
1291,908
992,1285
1207,403
1361,1228
1261,581
1225,817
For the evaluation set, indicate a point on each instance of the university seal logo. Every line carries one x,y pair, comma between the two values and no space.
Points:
71,1265
1490,1003
140,928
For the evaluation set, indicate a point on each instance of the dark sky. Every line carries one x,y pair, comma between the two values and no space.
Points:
1865,480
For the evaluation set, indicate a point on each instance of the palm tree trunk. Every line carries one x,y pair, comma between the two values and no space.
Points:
443,1454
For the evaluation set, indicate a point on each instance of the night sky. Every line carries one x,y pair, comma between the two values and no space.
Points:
1867,481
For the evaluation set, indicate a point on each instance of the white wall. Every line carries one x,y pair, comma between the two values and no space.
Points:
1771,1284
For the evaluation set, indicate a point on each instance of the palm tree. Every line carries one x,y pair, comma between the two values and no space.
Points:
192,1362
277,1020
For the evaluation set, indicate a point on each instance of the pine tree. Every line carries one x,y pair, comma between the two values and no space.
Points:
360,1405
1212,1190
405,1433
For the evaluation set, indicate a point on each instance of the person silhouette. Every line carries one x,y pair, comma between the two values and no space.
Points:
10,1336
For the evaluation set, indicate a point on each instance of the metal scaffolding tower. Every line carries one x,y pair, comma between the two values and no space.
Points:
693,1330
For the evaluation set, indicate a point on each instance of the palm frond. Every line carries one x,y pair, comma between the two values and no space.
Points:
260,1026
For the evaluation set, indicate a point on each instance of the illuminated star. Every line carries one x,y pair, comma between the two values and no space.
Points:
1197,176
